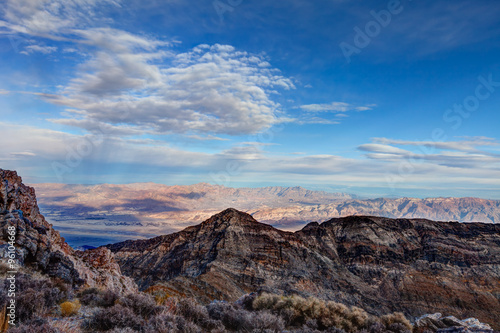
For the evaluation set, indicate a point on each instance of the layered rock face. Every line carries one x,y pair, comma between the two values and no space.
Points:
39,247
382,265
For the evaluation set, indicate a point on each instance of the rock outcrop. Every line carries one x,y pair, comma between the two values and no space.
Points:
38,247
437,323
382,265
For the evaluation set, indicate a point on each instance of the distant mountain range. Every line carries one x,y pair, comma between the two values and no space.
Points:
382,265
84,213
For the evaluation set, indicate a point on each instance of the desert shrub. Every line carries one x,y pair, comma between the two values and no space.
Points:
266,322
3,294
95,297
162,323
229,315
399,328
66,325
297,312
36,297
184,326
29,305
142,304
266,302
70,308
53,291
235,318
170,323
122,330
396,322
246,301
358,317
170,305
160,293
116,316
375,327
34,327
196,313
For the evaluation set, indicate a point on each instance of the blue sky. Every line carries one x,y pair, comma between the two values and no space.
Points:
375,98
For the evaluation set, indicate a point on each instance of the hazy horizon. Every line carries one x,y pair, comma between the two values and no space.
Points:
328,189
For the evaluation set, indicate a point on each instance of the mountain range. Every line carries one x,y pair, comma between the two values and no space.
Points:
83,213
379,264
383,265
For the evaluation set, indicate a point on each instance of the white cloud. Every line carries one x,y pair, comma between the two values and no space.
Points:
467,145
130,82
24,153
316,120
207,138
136,83
38,48
384,149
339,109
463,154
335,107
50,17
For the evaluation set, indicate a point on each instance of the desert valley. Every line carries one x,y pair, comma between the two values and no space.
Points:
357,272
83,212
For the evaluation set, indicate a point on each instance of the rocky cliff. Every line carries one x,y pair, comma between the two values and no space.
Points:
380,264
38,247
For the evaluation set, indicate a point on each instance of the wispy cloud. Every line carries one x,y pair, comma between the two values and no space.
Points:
30,49
429,27
24,153
465,154
51,17
340,110
335,107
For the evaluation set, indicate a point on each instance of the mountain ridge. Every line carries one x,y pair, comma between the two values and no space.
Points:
380,264
148,209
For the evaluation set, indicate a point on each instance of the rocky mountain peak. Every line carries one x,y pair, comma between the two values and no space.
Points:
40,248
379,264
232,218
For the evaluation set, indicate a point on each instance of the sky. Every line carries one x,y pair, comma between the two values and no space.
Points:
374,98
